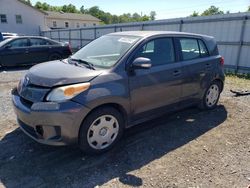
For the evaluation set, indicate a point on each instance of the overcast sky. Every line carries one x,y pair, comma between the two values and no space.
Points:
164,8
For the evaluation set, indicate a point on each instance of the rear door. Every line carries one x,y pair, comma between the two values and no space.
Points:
197,67
16,54
39,50
154,89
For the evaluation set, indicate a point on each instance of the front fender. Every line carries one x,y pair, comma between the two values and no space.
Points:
105,90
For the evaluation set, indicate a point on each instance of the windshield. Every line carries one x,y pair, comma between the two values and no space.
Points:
105,51
4,42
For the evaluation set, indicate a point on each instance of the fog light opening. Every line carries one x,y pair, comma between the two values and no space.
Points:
39,130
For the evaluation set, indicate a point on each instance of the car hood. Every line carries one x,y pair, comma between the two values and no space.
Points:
59,72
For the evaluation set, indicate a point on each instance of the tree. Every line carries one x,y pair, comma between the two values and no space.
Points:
212,11
94,11
194,14
152,15
248,9
42,6
105,17
136,16
115,19
65,8
69,8
82,10
145,18
27,2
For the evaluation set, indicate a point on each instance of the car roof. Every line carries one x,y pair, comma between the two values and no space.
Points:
31,37
9,34
34,37
146,34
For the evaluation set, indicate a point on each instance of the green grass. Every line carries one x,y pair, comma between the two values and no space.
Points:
242,76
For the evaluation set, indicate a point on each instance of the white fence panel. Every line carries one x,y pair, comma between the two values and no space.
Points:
232,32
104,31
173,27
229,52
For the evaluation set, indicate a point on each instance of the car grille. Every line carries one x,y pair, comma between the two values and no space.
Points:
31,93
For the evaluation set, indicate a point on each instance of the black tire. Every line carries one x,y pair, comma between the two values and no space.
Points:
54,56
204,104
85,130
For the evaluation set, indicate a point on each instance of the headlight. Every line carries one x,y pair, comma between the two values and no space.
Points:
66,92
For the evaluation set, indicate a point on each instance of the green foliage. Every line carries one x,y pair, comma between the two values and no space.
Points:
65,8
69,8
82,10
248,9
27,2
194,14
152,15
212,10
238,75
106,17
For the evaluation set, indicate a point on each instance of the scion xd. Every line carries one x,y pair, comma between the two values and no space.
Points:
116,81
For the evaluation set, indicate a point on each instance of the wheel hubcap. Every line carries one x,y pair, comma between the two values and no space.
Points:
103,132
212,95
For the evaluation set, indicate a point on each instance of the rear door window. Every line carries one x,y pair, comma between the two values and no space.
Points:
189,48
38,42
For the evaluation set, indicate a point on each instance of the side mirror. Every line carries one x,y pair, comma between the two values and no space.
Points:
141,63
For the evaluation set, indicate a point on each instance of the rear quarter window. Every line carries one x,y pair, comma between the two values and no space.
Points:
203,49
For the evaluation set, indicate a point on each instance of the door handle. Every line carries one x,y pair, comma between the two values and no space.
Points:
177,73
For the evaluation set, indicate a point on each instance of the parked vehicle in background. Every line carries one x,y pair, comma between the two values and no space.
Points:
117,81
9,35
29,50
1,36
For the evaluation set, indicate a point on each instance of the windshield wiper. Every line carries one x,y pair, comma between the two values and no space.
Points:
88,64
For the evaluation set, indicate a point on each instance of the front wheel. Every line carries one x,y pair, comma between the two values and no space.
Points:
101,130
211,96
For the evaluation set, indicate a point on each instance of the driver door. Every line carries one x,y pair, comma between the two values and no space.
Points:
154,90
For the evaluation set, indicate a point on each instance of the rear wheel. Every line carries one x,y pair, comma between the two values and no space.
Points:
211,96
101,130
54,56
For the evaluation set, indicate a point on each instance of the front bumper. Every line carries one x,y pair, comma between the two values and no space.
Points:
48,122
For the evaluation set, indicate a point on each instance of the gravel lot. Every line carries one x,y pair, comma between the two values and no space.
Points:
190,148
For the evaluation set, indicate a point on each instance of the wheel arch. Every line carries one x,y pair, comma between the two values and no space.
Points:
221,83
116,106
55,53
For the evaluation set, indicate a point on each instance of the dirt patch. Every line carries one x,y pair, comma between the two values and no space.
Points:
190,148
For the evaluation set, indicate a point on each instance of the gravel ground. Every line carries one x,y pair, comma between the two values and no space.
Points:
190,148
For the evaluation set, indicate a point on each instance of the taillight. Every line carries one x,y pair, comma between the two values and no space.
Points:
222,61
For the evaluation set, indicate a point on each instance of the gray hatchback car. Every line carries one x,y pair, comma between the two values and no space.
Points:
116,81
